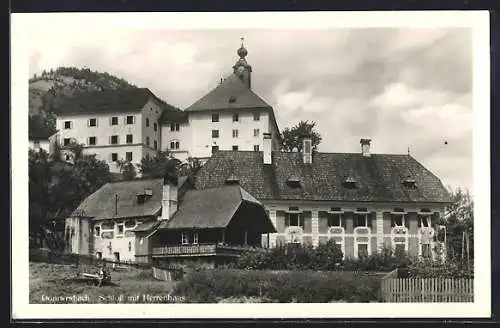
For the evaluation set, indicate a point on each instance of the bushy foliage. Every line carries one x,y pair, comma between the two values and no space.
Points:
209,286
57,188
434,269
292,137
385,260
292,257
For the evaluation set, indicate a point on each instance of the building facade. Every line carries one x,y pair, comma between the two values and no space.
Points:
118,126
365,202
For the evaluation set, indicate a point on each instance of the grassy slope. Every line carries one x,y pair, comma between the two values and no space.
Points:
52,280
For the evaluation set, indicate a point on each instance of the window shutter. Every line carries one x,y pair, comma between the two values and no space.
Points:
110,157
111,120
88,122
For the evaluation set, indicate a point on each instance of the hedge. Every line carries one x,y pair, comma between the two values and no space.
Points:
210,286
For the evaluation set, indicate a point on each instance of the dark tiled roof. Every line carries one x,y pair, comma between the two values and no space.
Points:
209,208
173,115
231,87
147,226
101,204
378,177
109,101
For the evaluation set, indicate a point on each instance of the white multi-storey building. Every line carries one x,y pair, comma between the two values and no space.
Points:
229,117
117,125
126,125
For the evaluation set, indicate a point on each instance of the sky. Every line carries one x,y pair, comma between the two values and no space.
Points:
404,88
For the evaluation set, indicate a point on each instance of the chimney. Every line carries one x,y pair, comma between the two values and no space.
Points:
266,148
169,197
365,147
307,150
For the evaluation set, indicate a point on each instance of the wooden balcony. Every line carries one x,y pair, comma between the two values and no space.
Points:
200,250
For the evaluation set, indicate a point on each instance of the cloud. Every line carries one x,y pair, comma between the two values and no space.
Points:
404,88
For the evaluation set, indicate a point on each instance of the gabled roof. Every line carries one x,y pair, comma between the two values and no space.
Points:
209,208
110,101
101,204
378,177
231,87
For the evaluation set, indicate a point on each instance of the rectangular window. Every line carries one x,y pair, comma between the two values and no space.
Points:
184,238
172,127
92,122
256,116
334,220
66,141
172,144
177,145
114,157
147,122
114,140
255,147
67,125
215,117
236,117
130,138
195,237
215,148
235,133
361,220
424,221
92,141
294,220
362,251
256,132
215,133
398,220
114,120
97,231
147,141
400,250
426,251
156,144
128,156
119,228
130,119
155,126
235,148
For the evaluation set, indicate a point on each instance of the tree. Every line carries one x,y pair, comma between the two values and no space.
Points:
459,220
155,167
292,137
129,172
56,188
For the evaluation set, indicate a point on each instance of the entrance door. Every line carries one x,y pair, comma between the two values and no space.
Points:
117,256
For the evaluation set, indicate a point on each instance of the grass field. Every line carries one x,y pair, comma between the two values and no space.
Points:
56,283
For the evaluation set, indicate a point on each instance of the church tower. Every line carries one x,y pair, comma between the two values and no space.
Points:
241,68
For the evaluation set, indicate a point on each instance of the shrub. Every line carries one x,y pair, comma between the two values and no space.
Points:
285,286
292,257
434,269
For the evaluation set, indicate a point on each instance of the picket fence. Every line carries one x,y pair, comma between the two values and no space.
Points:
432,290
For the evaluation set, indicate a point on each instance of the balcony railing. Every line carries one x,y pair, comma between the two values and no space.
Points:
200,250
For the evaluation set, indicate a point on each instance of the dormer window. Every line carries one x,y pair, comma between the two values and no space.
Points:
145,195
232,179
350,182
293,182
232,99
409,183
